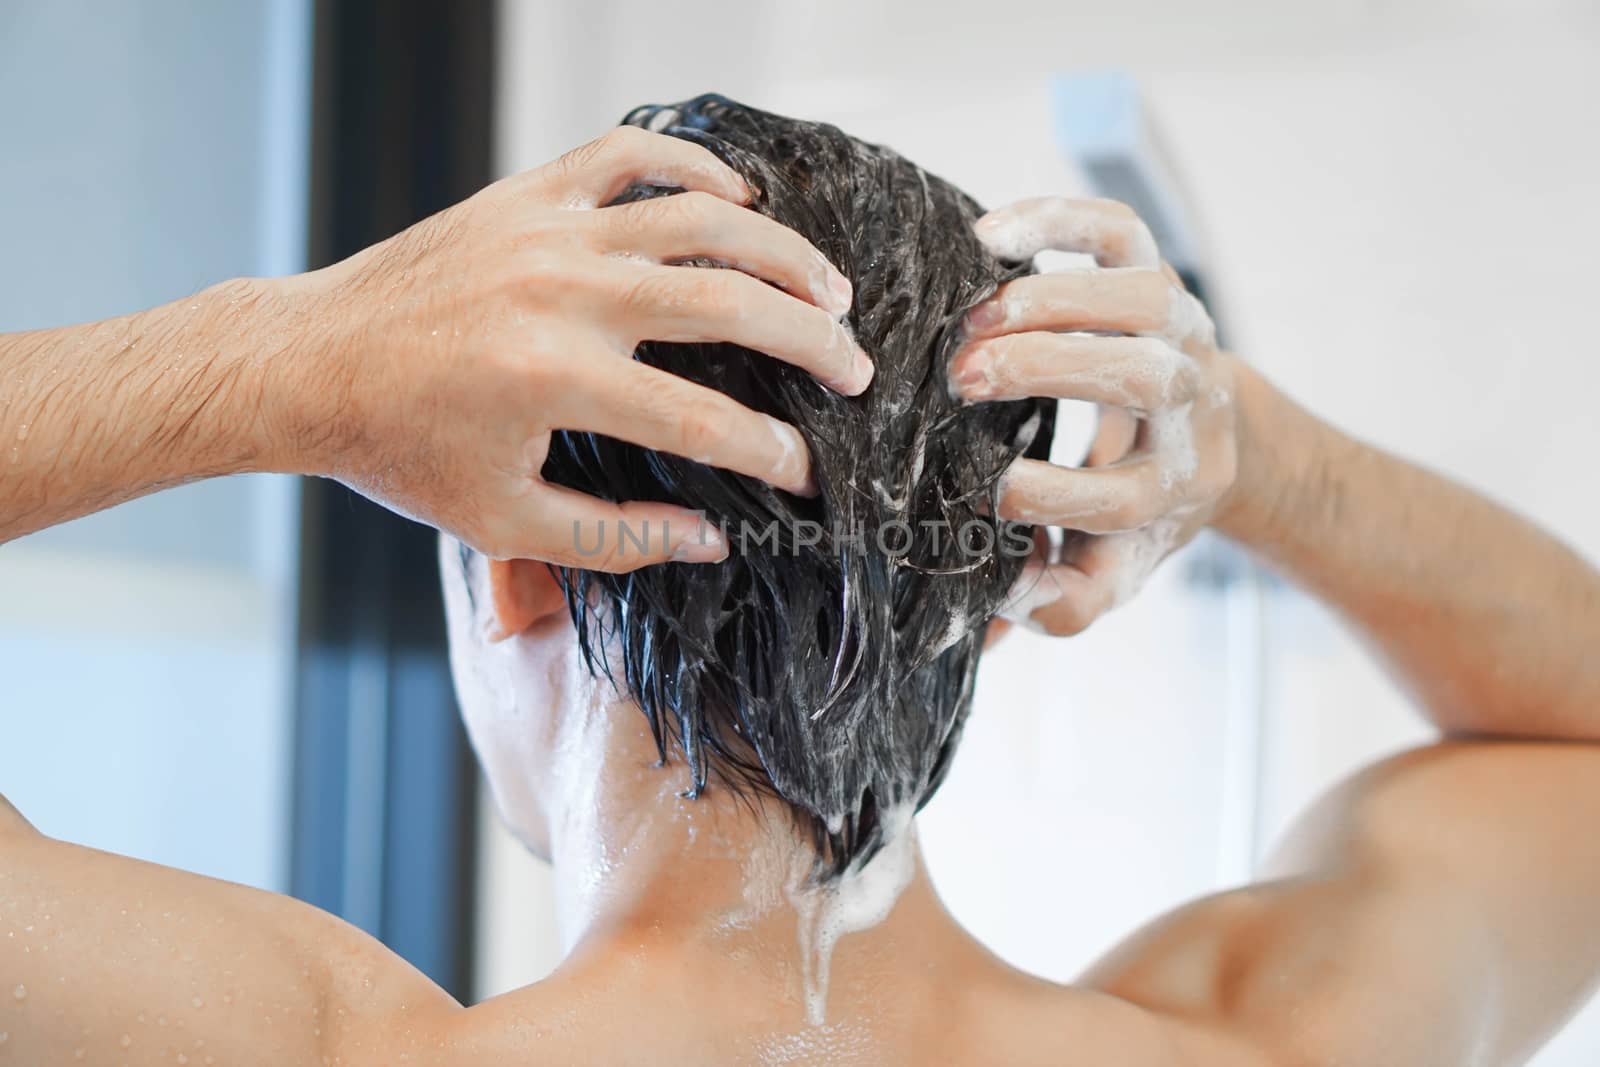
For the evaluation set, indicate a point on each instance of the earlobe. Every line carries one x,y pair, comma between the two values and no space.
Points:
522,592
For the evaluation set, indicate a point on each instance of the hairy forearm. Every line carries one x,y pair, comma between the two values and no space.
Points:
95,414
1486,619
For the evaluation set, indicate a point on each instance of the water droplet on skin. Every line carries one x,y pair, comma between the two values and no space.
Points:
20,993
4,1037
125,1040
227,998
161,1020
182,1058
77,1053
197,1002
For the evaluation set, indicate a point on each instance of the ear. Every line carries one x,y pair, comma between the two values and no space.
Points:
522,592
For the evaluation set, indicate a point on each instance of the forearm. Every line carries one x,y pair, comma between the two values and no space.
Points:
1487,620
95,414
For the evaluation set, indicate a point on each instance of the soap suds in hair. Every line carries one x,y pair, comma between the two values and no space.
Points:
823,669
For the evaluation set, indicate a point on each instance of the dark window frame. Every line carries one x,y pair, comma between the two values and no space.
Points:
384,820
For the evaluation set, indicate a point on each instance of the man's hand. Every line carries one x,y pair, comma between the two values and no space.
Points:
1127,336
429,370
454,349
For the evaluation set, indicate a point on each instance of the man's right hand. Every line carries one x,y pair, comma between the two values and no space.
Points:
440,361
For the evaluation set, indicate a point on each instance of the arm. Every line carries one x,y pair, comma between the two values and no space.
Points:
1440,908
96,414
1488,621
112,960
430,370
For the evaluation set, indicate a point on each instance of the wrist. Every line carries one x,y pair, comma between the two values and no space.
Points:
302,370
1284,458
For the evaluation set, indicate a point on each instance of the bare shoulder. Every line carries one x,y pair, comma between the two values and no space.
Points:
114,952
1438,908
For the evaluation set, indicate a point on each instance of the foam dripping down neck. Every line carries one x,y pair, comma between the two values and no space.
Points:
859,899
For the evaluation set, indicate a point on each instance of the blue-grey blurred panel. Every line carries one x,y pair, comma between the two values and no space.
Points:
137,150
148,150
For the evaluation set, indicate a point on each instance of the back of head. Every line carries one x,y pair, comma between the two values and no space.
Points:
831,658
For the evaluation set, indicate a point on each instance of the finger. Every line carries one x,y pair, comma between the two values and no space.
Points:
705,304
654,409
1108,230
1063,598
1124,496
599,171
1057,599
1114,437
1119,300
698,225
571,529
1141,373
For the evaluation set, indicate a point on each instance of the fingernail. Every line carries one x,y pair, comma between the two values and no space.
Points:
703,544
971,380
840,292
793,471
861,373
987,315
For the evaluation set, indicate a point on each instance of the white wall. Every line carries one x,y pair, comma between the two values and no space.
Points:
1401,206
146,652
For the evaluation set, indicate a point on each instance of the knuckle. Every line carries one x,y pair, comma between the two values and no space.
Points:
581,158
609,148
1166,376
1185,382
1131,505
553,370
1116,209
701,432
540,271
698,204
1008,358
653,292
653,406
682,215
720,294
620,142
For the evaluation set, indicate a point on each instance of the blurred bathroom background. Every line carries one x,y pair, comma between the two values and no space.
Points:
1390,204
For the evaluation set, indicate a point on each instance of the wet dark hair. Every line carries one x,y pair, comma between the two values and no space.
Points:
836,675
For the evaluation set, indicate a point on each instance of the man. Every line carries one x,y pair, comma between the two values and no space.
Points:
743,902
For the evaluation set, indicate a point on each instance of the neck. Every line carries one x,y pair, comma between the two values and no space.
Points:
642,869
